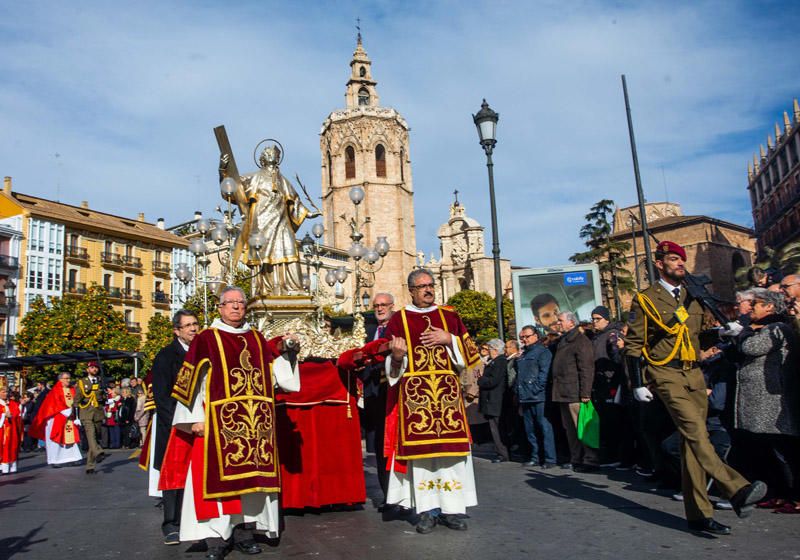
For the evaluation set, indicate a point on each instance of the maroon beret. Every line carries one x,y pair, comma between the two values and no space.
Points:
670,247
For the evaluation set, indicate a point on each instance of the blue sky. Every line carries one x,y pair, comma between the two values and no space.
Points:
127,95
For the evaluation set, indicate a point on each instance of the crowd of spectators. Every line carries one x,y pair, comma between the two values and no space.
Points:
750,365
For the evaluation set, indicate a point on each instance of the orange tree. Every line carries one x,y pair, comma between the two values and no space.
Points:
159,334
479,313
87,323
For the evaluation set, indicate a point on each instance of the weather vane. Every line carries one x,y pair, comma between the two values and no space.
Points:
358,28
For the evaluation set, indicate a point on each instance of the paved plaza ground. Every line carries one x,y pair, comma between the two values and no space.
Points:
523,513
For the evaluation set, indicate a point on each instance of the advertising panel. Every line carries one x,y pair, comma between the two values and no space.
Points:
540,294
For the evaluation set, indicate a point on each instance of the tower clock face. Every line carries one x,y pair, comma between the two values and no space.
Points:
362,71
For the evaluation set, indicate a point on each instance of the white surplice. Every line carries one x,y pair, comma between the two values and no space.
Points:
258,507
59,454
447,483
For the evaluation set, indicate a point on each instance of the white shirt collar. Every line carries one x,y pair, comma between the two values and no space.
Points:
218,324
414,308
183,345
669,287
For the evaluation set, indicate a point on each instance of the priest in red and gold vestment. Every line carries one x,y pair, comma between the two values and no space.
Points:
427,434
10,432
222,449
56,424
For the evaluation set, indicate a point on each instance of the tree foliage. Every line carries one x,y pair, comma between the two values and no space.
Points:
478,310
159,334
87,323
609,254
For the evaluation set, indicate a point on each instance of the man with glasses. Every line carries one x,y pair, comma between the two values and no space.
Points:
56,425
790,286
533,371
165,369
374,380
426,429
222,450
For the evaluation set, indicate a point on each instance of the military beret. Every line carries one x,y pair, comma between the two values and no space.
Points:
670,247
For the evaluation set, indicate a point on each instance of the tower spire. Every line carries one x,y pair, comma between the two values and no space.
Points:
796,112
787,124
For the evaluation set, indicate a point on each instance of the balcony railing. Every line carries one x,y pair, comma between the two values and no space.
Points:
133,327
114,293
75,288
111,259
132,295
78,253
7,261
132,262
161,267
161,298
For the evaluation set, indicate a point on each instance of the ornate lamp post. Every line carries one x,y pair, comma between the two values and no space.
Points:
486,123
10,290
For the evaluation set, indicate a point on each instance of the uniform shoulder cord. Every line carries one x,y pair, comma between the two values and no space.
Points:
680,331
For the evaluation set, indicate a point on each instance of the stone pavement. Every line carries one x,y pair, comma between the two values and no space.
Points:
523,513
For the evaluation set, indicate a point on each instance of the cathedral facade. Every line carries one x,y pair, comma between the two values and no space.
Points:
367,145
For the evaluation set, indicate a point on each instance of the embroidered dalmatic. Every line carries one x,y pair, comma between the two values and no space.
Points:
427,434
232,474
54,425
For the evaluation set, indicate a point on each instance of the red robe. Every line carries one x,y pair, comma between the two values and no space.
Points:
425,411
10,433
64,431
238,455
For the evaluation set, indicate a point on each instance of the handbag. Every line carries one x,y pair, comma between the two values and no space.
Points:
589,425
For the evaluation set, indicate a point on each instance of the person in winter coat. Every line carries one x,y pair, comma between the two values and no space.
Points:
492,386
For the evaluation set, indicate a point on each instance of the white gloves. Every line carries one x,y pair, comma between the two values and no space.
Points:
67,412
732,329
77,422
642,394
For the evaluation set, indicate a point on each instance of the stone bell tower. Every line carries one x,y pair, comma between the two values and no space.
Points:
366,144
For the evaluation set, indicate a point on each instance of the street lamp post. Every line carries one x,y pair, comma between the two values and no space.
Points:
486,123
10,290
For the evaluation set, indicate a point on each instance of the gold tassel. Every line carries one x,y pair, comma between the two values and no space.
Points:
349,411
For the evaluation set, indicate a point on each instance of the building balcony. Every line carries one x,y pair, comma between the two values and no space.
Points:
75,289
132,263
161,299
113,293
7,348
111,260
131,295
77,254
133,327
161,268
9,263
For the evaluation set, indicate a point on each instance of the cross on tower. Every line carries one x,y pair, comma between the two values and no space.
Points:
358,28
455,192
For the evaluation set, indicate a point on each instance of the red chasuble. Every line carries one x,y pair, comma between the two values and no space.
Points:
10,433
427,417
240,455
64,431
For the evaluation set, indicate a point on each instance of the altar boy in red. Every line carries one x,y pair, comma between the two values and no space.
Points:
55,423
222,450
427,435
10,432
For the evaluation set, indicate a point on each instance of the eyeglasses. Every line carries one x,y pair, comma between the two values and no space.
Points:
190,325
377,305
526,336
423,286
233,302
787,286
595,319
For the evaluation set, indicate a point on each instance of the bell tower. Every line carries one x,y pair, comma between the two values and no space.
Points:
367,145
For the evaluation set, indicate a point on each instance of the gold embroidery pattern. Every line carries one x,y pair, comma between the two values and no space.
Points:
439,484
428,358
247,428
184,378
471,349
433,405
247,380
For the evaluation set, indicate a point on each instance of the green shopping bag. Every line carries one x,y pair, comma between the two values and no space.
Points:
589,425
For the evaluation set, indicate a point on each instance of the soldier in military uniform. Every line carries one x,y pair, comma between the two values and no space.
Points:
90,399
662,343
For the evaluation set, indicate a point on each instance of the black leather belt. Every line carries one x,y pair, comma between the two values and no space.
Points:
680,364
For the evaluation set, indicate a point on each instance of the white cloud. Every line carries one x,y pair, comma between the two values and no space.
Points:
128,95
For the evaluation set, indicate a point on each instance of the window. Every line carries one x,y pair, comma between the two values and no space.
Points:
363,97
72,278
350,163
737,262
362,71
330,170
106,281
380,160
128,284
402,164
128,250
109,247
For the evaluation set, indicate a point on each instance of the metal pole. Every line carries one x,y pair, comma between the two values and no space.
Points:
635,255
651,277
498,288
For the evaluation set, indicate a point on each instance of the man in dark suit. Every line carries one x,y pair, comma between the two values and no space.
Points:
374,415
492,385
165,369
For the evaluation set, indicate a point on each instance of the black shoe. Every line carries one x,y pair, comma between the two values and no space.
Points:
499,460
172,538
56,466
530,464
90,471
566,466
216,552
709,526
426,523
585,468
453,522
248,547
746,498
